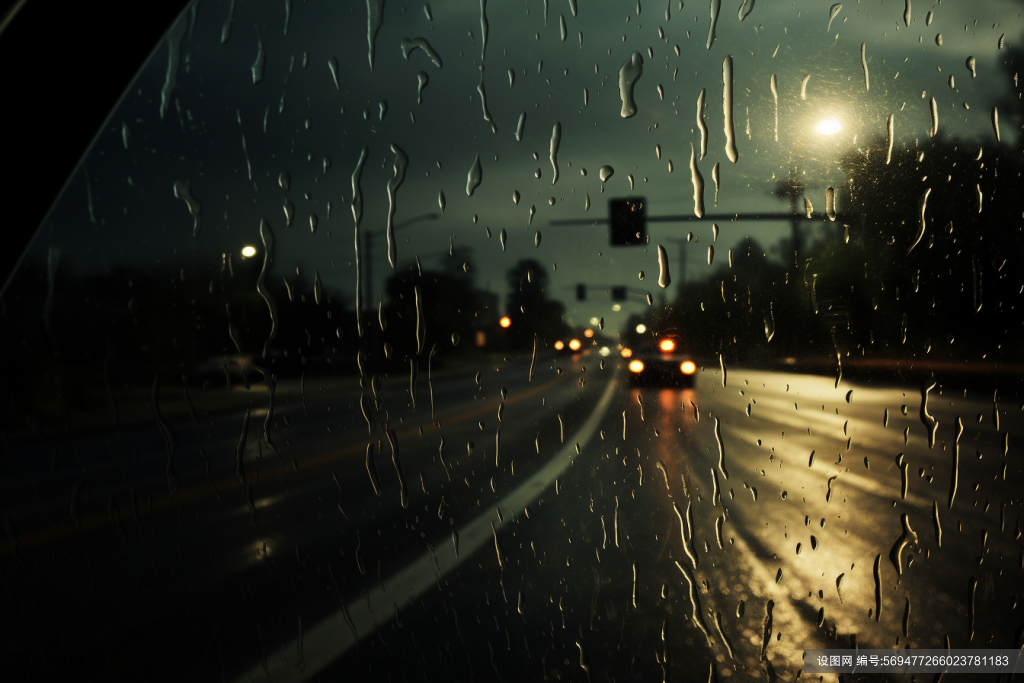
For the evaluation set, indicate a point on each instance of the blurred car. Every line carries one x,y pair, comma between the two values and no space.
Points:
659,361
230,368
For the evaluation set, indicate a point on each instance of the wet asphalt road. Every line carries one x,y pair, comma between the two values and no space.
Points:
651,552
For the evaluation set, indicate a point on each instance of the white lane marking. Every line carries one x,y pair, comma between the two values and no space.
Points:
331,638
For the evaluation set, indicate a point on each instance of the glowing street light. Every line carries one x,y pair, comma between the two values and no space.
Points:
248,251
829,126
505,321
559,345
588,333
575,344
641,328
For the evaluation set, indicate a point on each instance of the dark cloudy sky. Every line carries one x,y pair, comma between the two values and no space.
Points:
121,206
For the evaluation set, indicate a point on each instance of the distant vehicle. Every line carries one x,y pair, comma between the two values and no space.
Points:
232,368
659,362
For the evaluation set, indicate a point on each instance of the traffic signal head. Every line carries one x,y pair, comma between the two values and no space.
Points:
628,221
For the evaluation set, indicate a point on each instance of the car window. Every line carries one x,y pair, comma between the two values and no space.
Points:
526,341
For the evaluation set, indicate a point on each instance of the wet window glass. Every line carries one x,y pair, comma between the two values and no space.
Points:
525,341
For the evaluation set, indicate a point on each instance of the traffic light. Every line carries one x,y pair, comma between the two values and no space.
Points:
581,292
628,221
618,293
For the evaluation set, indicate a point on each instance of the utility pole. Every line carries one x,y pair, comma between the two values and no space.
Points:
792,189
368,266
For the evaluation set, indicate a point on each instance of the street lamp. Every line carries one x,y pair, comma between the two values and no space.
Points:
505,321
829,126
248,251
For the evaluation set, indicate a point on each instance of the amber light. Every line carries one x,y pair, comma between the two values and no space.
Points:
636,366
559,345
667,345
505,321
627,352
574,344
688,367
588,333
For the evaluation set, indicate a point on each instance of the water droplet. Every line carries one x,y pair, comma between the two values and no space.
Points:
864,66
441,200
698,184
313,221
923,224
730,131
716,6
374,19
409,45
422,79
183,192
289,213
934,130
503,236
605,173
257,66
664,278
556,139
890,135
830,203
520,126
833,12
332,64
629,74
398,176
746,8
474,176
701,125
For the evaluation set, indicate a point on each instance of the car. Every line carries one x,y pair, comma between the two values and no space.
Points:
659,361
235,368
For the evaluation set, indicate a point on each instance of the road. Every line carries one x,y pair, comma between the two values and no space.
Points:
575,528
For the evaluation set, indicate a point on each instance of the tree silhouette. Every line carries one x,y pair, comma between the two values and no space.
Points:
531,310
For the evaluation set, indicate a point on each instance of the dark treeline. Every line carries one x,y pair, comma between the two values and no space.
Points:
71,341
872,283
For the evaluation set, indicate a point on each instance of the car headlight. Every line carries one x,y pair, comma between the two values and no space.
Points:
688,367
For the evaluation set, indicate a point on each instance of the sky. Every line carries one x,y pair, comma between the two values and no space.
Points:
122,209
